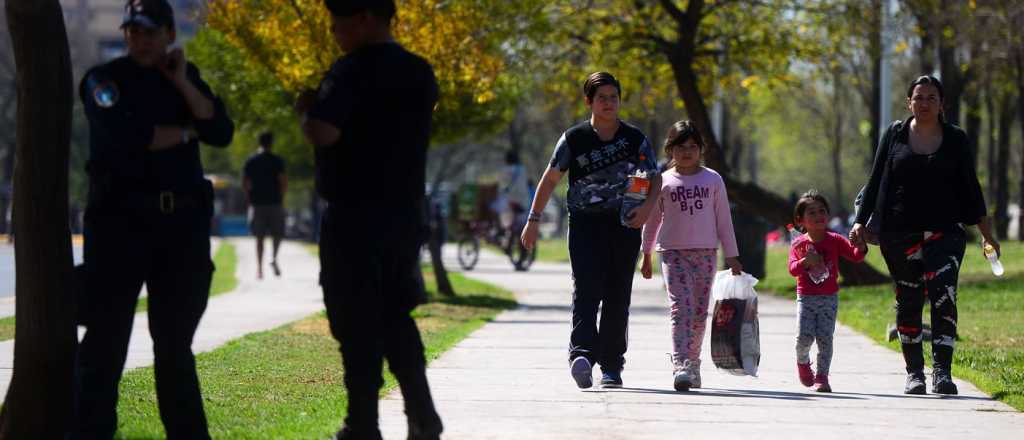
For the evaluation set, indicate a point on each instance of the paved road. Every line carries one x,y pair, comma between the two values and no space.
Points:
510,380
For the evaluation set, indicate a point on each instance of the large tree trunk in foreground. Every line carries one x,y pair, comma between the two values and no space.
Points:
39,400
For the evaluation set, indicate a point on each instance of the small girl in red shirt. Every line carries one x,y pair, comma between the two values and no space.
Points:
814,261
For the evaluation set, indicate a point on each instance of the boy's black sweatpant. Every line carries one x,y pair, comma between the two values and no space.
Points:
603,255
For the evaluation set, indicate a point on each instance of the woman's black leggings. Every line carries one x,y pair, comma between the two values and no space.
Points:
926,265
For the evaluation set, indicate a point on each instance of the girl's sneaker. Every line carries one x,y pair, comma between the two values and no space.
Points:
805,373
687,376
821,384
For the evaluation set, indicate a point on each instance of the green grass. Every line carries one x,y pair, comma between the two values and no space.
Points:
224,280
286,383
990,310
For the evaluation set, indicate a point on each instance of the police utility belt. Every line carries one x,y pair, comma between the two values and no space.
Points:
161,202
167,202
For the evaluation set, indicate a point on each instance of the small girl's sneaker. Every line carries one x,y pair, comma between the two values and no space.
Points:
687,376
821,384
805,373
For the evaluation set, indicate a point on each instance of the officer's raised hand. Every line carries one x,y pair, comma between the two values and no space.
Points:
173,66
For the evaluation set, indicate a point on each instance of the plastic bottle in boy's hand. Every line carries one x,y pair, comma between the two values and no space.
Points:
636,192
993,260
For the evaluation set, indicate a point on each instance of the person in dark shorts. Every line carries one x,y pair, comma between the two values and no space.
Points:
373,107
599,155
265,183
147,220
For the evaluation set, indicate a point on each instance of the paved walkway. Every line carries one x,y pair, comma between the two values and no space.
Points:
254,306
510,380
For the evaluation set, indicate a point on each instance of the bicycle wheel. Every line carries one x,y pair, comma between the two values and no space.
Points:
520,257
469,253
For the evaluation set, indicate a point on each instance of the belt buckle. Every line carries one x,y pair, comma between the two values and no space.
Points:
166,202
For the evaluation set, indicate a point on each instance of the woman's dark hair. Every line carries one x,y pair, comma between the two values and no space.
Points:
679,133
925,80
805,200
598,79
266,139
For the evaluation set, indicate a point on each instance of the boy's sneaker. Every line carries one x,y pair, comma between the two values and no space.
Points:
611,379
915,383
821,384
805,373
942,382
582,372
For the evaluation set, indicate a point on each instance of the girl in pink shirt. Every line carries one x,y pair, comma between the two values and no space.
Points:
690,220
814,261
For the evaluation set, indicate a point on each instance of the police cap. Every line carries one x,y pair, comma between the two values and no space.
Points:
148,13
345,8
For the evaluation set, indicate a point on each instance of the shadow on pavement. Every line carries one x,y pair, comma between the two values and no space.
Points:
633,310
478,301
779,395
920,396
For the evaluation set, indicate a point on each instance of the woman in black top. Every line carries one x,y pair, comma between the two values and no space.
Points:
922,191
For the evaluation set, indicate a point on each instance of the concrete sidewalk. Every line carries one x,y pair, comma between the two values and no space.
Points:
510,380
253,306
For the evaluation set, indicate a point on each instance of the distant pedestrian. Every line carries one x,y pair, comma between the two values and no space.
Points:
689,222
814,261
265,183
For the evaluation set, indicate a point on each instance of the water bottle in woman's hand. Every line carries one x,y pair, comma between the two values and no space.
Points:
993,260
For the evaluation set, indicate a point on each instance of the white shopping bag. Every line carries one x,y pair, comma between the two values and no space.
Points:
735,337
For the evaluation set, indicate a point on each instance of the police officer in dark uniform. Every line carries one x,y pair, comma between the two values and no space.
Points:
370,123
147,221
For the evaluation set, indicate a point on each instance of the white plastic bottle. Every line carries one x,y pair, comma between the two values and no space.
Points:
993,260
819,272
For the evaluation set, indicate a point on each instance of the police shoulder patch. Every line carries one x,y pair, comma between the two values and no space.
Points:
101,88
105,93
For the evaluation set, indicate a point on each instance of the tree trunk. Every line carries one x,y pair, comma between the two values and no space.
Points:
39,400
444,285
926,55
1018,55
751,197
972,121
874,102
990,109
1002,219
837,142
439,225
6,177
